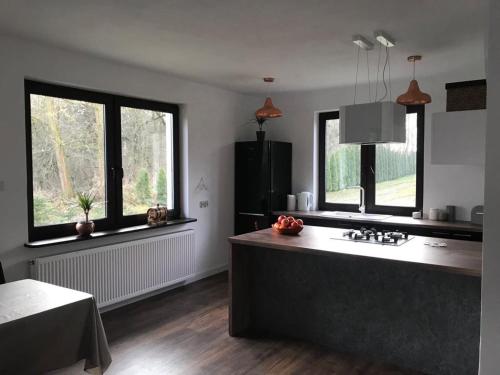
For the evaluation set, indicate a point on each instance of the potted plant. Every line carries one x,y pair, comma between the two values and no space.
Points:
85,201
260,122
260,133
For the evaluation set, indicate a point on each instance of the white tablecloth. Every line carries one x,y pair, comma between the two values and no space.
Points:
45,327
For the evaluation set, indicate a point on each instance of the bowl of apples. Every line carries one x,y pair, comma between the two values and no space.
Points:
288,225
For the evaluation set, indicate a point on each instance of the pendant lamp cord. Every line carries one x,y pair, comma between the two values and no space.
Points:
389,63
378,70
356,82
369,83
413,68
383,74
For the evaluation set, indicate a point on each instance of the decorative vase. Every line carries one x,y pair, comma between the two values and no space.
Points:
85,228
260,135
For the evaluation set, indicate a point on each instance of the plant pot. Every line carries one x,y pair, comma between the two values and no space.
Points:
85,228
260,135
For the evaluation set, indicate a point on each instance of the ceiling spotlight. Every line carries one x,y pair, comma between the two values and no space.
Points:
384,39
362,42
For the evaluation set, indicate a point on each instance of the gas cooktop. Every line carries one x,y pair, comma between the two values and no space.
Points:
372,235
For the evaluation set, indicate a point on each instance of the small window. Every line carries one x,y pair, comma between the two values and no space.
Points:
147,159
391,173
396,169
73,146
342,166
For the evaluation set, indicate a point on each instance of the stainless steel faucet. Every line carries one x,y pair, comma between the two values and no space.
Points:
362,207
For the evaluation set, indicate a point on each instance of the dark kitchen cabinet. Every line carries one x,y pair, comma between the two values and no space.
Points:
263,178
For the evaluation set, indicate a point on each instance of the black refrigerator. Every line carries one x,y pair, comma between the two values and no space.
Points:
263,178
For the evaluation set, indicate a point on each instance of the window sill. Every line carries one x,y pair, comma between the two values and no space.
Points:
106,233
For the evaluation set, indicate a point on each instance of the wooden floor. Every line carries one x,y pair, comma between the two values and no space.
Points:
184,331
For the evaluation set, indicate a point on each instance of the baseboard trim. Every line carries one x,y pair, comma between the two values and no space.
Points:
207,273
196,277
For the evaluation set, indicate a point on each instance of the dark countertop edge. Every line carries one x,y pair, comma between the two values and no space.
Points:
305,250
419,223
107,233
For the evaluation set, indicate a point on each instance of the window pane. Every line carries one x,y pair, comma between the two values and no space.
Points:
342,167
68,157
396,169
147,159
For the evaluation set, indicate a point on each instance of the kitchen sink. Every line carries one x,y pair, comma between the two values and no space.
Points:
354,215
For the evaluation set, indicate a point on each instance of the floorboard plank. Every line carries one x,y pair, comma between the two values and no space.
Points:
185,331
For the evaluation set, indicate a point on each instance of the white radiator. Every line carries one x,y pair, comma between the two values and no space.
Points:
118,272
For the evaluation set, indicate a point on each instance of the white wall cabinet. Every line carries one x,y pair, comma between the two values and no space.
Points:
458,138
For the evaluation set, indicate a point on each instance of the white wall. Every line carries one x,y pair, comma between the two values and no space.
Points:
212,117
443,185
490,313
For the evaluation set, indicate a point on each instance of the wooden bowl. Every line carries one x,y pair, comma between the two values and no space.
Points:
287,231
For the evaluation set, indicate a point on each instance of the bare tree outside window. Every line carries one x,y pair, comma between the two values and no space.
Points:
68,157
147,159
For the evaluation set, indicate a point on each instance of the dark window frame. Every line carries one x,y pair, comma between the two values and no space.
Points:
114,171
122,101
368,166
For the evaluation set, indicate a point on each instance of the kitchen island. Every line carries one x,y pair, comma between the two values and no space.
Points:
413,305
459,230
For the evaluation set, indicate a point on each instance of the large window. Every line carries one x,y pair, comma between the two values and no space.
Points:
123,151
391,173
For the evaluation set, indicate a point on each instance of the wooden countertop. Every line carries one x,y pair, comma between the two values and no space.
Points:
393,220
464,257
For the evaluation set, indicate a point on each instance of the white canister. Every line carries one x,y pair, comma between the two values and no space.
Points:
291,202
434,213
304,201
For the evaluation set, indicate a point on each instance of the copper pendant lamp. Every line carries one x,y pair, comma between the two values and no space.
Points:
413,95
268,110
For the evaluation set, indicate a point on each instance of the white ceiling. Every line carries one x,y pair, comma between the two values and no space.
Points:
305,44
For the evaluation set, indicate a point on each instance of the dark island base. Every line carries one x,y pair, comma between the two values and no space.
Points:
396,312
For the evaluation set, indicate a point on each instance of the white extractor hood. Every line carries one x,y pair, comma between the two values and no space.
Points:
378,122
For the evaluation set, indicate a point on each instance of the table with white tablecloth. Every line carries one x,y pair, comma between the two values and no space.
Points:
45,327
